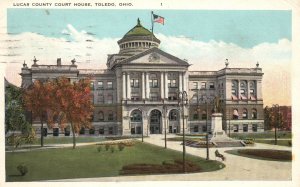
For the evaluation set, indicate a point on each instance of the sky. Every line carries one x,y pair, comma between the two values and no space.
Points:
204,37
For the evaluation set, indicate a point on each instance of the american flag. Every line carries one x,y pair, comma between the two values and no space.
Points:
158,19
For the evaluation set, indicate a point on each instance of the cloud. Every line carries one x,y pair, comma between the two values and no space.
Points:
91,52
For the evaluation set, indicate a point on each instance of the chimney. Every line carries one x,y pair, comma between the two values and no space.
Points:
58,61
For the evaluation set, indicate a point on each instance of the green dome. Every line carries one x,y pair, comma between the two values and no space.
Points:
138,32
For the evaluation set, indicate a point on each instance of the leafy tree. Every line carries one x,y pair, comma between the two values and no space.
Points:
38,99
272,119
73,103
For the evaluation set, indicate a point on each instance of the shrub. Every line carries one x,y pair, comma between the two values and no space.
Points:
99,148
121,147
107,147
22,169
112,149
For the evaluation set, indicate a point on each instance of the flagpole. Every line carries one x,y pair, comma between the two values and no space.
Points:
152,21
152,27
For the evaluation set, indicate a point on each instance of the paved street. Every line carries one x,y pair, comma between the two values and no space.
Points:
237,167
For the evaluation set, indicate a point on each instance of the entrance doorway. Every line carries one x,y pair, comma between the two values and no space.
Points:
155,122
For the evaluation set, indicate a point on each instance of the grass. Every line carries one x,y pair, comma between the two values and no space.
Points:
66,140
262,135
279,142
86,161
263,154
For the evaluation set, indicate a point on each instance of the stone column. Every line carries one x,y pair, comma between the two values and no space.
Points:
124,86
147,86
128,87
143,85
180,81
162,85
185,81
166,86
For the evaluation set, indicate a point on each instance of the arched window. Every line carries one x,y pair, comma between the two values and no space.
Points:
196,115
101,116
173,116
235,114
136,116
245,113
254,113
155,116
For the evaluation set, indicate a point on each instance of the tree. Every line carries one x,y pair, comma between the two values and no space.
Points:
73,103
38,99
15,119
273,118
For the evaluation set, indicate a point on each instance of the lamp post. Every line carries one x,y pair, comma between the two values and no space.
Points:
206,124
143,115
276,124
182,99
165,116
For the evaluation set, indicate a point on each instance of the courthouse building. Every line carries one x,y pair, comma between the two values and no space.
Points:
138,92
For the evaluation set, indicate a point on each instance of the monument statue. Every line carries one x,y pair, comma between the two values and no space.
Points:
217,104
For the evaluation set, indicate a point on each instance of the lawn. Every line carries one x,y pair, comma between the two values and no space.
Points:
66,140
262,135
86,161
279,142
263,154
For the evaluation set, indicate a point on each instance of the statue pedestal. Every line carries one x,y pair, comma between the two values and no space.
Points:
218,134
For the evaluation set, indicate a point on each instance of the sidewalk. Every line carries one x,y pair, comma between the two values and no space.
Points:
237,167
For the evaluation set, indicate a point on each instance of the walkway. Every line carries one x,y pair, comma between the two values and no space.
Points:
237,167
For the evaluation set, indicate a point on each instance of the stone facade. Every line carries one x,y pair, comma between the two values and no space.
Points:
138,92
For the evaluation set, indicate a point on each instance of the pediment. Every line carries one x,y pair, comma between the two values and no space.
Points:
155,56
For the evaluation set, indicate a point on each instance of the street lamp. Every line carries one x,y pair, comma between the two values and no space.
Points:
165,115
143,115
183,99
276,124
206,123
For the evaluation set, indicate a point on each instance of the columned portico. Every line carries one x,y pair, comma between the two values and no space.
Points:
143,85
124,86
128,87
147,86
180,81
166,85
162,85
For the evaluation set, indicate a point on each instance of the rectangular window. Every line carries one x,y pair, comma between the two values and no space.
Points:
110,130
196,128
235,128
254,127
100,84
153,96
109,85
109,99
233,92
195,85
153,83
92,86
243,92
204,129
211,85
100,99
110,117
101,130
203,85
134,83
245,128
251,91
172,83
